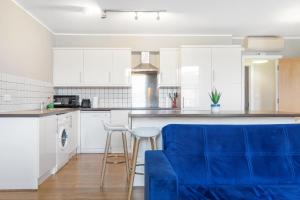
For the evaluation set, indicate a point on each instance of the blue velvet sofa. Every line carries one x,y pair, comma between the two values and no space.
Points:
225,162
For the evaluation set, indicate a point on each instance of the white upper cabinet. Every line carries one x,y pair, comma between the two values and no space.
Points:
67,67
121,68
205,68
227,77
97,67
92,67
195,78
169,66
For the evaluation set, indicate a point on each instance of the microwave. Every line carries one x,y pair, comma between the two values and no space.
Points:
66,101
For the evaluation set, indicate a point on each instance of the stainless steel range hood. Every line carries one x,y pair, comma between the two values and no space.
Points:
145,66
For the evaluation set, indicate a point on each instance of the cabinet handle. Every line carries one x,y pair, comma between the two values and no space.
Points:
128,76
182,102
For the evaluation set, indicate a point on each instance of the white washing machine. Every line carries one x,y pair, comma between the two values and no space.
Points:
63,140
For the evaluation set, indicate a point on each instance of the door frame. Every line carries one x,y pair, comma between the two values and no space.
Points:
266,57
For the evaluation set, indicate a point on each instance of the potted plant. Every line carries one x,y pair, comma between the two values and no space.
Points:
215,96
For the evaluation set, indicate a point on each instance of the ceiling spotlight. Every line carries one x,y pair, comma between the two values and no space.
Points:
103,16
136,16
158,17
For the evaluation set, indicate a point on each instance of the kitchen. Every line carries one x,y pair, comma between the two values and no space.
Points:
63,84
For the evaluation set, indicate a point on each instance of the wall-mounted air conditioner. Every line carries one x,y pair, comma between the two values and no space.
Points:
263,43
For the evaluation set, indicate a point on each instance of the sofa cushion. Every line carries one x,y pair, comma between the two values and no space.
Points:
271,170
234,154
268,139
189,169
220,140
183,139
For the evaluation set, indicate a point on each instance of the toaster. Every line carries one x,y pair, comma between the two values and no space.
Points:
86,103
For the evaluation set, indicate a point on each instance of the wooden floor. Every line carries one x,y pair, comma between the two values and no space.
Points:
80,179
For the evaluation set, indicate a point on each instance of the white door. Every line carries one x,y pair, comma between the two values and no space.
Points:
97,67
121,68
227,76
195,78
67,67
93,135
169,64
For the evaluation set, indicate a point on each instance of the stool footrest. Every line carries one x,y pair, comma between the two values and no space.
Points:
115,156
115,162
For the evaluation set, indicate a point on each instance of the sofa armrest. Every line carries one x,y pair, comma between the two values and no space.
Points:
161,181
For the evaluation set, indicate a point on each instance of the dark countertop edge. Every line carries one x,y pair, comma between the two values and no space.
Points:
36,115
108,109
59,111
133,115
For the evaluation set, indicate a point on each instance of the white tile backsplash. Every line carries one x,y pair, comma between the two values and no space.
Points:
116,97
21,93
107,97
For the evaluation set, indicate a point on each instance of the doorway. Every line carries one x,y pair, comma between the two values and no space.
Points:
261,83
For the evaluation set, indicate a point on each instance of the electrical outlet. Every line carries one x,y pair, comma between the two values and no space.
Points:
7,97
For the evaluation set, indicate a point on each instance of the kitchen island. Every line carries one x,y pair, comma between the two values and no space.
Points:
161,118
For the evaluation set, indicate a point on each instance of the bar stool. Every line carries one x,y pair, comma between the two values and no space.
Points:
110,129
149,133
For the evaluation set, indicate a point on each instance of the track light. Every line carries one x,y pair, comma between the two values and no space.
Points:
104,14
158,17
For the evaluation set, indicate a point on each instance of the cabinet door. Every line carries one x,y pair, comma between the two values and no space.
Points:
227,77
67,67
74,118
169,64
195,78
97,67
121,69
47,144
93,136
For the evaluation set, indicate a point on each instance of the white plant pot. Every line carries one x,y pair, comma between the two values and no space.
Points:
215,108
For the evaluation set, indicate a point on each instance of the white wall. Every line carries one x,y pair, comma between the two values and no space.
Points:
25,60
25,45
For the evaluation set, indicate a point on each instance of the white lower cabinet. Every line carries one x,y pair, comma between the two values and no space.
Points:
93,136
47,146
27,151
75,129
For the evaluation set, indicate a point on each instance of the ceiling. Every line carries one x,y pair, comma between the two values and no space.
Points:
192,17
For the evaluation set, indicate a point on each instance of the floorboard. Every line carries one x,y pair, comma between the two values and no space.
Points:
80,180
